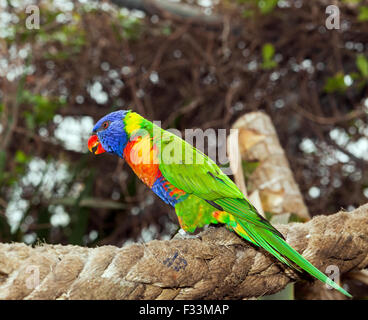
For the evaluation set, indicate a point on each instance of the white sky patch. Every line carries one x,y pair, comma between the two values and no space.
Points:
348,80
16,209
279,103
358,148
341,157
30,238
93,235
63,5
339,136
18,3
96,92
307,65
5,29
307,146
252,66
47,173
54,174
59,217
10,66
38,172
134,211
365,192
205,3
64,17
76,189
274,76
154,77
366,105
314,192
74,132
149,233
128,242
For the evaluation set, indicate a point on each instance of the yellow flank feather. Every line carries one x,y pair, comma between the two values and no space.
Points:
229,220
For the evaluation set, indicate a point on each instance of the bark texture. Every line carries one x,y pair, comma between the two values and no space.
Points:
258,141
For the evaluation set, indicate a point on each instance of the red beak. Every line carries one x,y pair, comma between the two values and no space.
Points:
94,145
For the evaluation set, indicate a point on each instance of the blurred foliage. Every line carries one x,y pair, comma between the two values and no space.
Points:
257,6
268,53
88,59
129,27
362,64
363,13
42,110
336,83
341,82
248,168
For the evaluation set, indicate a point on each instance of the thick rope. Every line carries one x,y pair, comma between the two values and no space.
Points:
215,265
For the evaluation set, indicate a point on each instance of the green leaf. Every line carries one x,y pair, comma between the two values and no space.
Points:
43,108
352,1
268,52
295,218
362,65
21,157
355,75
363,14
268,215
30,120
249,167
336,83
247,13
131,27
266,6
166,30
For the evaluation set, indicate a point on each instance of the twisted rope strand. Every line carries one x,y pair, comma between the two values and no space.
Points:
215,265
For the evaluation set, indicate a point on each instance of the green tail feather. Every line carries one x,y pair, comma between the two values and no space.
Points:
285,253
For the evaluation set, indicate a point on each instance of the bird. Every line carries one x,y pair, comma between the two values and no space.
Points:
191,182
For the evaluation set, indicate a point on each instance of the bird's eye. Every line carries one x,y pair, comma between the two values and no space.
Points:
105,124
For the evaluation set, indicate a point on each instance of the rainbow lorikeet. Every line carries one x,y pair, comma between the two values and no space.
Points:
192,183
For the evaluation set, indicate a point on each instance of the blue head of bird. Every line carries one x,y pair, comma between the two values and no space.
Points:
109,134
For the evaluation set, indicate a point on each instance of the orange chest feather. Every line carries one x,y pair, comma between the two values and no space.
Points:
142,157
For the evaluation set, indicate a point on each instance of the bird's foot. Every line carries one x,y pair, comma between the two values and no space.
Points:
185,235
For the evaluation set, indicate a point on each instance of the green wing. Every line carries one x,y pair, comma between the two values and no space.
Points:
192,171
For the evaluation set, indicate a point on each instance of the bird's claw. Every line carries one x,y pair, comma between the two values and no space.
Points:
185,235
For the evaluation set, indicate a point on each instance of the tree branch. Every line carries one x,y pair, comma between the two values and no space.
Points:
167,9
